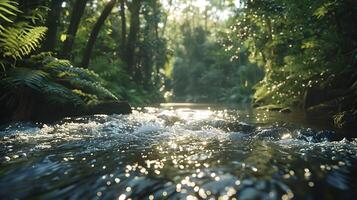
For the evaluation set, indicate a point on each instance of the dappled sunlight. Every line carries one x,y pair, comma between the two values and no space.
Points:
183,153
178,99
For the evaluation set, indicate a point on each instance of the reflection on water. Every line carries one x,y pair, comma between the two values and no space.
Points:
175,153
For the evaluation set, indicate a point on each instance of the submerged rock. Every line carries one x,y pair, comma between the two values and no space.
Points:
108,108
232,126
47,113
285,110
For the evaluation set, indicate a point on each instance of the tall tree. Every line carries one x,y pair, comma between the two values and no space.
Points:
52,22
95,31
77,12
123,29
134,8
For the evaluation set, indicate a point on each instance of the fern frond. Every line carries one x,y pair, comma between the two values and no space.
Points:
3,64
84,80
34,79
88,98
91,88
57,63
58,94
63,68
40,82
8,9
17,42
36,15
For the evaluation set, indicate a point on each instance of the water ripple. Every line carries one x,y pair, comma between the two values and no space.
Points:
174,154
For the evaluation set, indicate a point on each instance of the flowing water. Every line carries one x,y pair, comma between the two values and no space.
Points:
176,153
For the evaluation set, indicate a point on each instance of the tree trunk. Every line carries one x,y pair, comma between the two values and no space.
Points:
52,23
95,31
133,35
123,30
77,12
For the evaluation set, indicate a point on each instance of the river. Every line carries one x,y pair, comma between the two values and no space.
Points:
177,151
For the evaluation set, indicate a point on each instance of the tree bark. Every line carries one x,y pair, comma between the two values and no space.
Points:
52,23
122,46
134,7
123,22
77,12
95,31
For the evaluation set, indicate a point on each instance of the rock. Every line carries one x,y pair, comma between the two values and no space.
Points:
44,112
285,110
342,80
322,109
270,107
234,126
315,96
108,108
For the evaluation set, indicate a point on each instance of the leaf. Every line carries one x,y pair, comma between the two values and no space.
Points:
63,37
34,79
18,42
8,8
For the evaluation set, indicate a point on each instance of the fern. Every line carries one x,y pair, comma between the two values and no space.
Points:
58,94
89,98
63,68
91,87
36,15
40,82
57,63
16,77
8,9
18,39
18,42
55,80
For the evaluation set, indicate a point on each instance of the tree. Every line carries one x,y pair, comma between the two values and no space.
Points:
123,30
52,23
297,42
77,12
94,33
134,8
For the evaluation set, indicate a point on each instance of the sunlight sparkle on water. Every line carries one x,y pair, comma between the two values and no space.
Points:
187,153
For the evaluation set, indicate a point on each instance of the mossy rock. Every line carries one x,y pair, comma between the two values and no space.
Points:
271,107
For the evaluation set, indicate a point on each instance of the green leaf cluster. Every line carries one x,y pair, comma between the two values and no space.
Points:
18,38
298,43
56,80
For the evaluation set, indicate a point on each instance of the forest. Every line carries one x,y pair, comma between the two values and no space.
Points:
178,99
275,55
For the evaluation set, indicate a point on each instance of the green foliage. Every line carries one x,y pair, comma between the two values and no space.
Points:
38,81
17,42
17,38
17,77
8,9
297,43
140,85
56,80
120,83
203,71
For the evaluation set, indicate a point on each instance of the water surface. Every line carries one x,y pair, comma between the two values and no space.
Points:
185,152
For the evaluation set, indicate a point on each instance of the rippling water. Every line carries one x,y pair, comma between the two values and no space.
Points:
163,153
